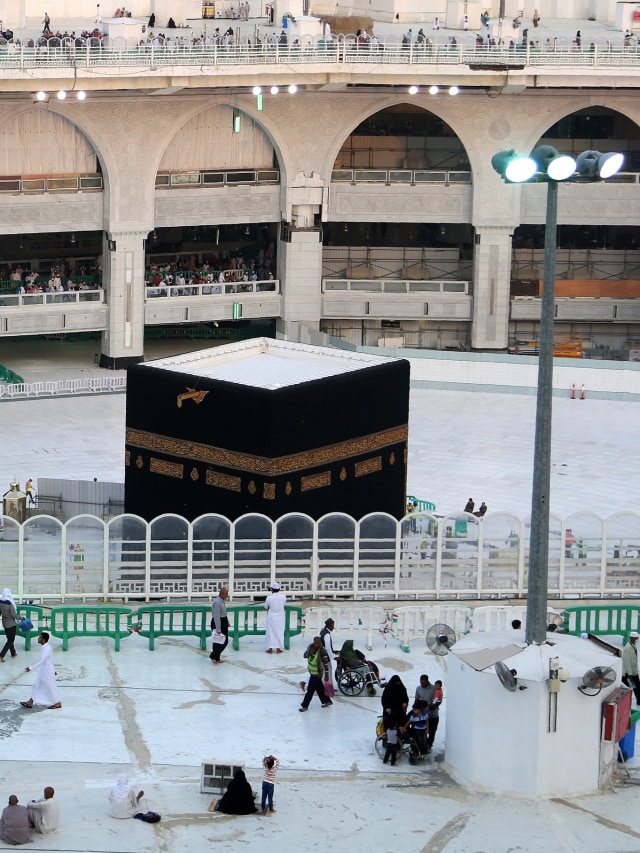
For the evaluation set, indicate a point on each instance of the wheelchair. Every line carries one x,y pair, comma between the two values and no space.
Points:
352,680
408,746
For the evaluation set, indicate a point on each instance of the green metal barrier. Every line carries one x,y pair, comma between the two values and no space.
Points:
610,619
243,622
36,614
7,375
171,620
107,621
421,506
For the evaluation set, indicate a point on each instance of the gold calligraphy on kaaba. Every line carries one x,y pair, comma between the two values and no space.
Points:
169,469
263,465
224,481
369,466
315,481
127,457
269,491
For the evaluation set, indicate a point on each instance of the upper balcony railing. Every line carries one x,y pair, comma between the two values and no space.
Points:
151,53
21,300
213,288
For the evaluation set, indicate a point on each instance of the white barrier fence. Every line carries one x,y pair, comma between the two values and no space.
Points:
64,387
404,624
420,558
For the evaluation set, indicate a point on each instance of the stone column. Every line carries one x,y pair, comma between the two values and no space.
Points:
300,268
123,281
491,284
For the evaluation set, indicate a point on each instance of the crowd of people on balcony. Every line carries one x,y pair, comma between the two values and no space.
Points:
64,276
227,272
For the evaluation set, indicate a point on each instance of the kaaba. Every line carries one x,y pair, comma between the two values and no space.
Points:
267,426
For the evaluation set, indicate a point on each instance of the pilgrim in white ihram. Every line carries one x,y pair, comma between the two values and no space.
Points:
275,619
45,689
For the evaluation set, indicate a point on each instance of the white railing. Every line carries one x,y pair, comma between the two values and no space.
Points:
64,387
393,286
421,557
240,288
201,51
67,297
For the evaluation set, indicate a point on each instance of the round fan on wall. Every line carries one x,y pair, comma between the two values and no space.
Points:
596,678
440,638
507,676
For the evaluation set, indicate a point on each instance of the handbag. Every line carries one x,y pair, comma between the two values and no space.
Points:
329,689
25,625
218,638
148,817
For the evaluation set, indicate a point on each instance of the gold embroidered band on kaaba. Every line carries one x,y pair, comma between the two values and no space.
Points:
264,465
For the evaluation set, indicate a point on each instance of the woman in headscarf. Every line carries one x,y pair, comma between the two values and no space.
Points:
238,798
348,655
123,799
395,701
9,622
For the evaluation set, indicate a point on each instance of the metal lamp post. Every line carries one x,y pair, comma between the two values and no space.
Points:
549,166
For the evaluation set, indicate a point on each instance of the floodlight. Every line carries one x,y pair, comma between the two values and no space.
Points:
558,167
513,168
593,164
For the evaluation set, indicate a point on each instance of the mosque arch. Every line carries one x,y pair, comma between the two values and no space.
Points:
402,135
206,141
38,141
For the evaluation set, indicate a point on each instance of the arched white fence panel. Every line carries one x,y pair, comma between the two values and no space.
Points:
419,558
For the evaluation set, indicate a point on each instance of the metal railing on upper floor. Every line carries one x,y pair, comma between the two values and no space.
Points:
66,52
393,286
241,288
67,297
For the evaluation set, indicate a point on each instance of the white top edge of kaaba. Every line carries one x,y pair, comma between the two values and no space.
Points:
268,363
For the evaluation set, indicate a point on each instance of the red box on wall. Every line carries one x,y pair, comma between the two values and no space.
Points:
616,710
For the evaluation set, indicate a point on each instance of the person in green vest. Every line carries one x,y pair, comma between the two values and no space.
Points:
317,663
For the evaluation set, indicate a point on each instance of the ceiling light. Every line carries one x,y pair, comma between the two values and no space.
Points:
413,90
433,90
257,90
62,95
274,90
292,89
42,96
81,95
454,90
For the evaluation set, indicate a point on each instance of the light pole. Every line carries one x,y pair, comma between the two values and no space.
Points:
548,166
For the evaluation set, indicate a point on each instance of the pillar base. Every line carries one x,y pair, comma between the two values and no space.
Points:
110,363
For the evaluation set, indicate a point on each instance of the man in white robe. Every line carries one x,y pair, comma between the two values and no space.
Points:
44,814
275,619
45,689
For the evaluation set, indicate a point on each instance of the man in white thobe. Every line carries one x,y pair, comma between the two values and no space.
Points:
275,619
44,814
45,689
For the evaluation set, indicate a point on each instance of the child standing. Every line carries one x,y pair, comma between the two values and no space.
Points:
392,743
270,764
